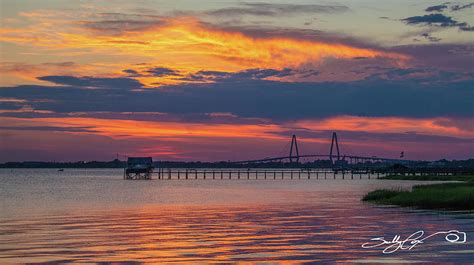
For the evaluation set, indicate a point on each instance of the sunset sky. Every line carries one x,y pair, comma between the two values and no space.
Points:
229,80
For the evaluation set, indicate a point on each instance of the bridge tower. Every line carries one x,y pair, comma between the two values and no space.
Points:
295,145
334,141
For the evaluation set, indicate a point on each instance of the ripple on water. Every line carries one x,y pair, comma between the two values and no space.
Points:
190,234
49,217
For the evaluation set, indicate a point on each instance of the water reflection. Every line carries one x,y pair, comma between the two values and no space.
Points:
284,222
296,233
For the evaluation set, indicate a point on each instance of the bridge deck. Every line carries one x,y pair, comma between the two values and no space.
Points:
328,157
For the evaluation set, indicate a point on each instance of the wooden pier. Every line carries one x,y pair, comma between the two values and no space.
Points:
259,174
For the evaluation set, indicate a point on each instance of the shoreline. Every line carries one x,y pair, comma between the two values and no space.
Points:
441,196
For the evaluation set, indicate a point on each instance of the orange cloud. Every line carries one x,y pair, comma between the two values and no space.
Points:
431,126
186,44
192,44
144,129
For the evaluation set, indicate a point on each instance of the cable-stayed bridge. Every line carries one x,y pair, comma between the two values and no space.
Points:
334,156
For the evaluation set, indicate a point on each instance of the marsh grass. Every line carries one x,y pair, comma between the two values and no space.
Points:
450,196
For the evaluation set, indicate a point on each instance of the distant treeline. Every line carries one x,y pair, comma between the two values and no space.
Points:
466,164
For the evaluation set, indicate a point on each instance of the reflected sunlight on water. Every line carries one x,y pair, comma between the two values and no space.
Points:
95,216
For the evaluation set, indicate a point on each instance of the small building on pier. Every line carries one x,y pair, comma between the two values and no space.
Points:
139,168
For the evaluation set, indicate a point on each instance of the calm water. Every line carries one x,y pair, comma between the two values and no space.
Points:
96,216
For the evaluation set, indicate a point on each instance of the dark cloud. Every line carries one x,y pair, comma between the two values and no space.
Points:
249,74
11,105
271,9
261,73
461,7
264,99
214,73
162,71
93,83
119,26
445,57
431,19
465,27
131,73
438,20
430,38
48,128
294,8
445,6
308,73
437,8
238,11
152,72
421,75
118,23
